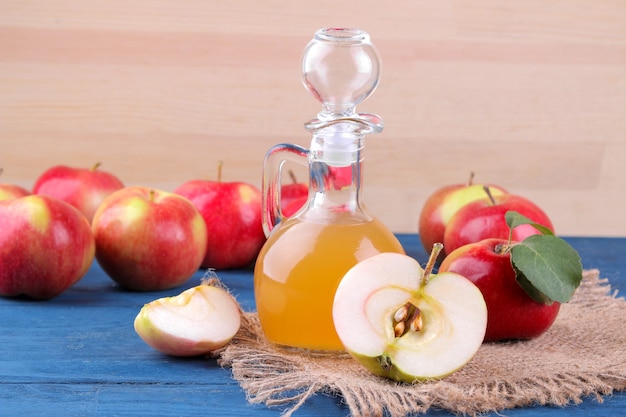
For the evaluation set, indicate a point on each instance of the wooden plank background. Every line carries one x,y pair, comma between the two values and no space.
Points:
528,94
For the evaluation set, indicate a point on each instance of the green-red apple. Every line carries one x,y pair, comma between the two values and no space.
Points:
195,322
485,218
294,206
440,206
403,323
11,191
293,195
512,313
147,239
83,188
46,246
232,214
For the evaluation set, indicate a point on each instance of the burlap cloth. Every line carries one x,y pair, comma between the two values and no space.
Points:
583,354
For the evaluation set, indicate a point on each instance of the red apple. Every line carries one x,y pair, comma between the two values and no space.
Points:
81,187
12,191
341,177
232,213
46,246
295,205
484,218
148,240
443,204
293,195
511,312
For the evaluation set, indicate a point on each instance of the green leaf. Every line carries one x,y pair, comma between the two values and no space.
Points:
547,267
514,219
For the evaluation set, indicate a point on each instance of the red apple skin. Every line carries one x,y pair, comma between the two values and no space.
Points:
440,206
12,191
295,205
232,214
340,177
481,219
511,313
83,188
46,246
289,193
148,240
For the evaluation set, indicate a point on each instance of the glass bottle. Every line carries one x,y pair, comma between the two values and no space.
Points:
306,255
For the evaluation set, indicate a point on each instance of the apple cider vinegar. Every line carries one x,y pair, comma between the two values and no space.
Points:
298,272
305,256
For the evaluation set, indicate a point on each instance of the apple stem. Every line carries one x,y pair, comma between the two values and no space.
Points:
1,171
151,195
434,254
502,248
220,164
471,179
96,166
293,177
488,191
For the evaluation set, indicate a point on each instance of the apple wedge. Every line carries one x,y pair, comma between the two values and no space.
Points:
198,321
402,323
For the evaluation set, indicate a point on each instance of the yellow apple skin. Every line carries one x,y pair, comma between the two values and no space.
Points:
147,239
12,191
46,246
443,204
198,321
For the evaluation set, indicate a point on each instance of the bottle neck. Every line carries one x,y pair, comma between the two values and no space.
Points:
336,175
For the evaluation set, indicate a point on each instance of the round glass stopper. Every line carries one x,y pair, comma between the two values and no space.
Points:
341,68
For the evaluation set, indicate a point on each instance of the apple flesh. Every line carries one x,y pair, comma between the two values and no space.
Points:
485,218
197,321
443,204
83,188
446,313
148,240
512,313
46,246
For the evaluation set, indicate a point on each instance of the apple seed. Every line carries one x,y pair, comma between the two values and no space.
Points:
417,323
408,314
399,329
402,313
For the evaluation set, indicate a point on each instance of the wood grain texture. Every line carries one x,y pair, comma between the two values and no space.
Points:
531,95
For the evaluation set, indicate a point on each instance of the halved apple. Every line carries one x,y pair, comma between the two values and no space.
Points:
401,323
197,321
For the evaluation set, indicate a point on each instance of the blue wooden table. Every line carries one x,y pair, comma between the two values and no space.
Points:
78,355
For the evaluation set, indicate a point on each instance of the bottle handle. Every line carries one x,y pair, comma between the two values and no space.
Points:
275,158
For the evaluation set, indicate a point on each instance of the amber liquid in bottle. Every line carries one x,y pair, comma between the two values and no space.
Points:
299,270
